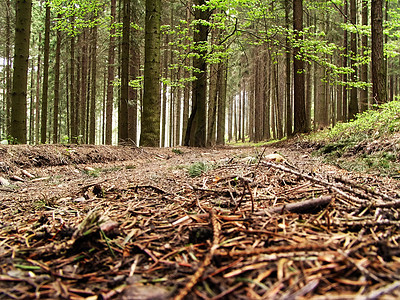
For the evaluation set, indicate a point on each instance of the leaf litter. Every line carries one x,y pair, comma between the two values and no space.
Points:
137,225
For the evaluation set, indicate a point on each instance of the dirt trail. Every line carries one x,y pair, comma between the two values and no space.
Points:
118,222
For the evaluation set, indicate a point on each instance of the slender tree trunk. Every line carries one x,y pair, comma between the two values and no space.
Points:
342,108
20,75
133,93
298,69
378,62
72,98
353,104
43,127
37,102
92,112
288,98
222,86
164,95
364,50
150,125
212,104
123,133
110,75
83,86
56,88
31,137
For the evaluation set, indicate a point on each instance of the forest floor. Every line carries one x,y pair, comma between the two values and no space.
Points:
108,222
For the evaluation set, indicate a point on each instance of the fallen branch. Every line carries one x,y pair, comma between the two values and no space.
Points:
305,207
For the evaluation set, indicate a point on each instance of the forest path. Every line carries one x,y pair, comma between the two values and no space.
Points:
123,221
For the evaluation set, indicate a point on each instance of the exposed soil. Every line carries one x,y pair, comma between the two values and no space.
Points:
107,222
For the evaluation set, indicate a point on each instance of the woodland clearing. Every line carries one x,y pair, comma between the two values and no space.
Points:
113,222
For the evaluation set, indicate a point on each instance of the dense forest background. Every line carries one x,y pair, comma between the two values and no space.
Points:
195,72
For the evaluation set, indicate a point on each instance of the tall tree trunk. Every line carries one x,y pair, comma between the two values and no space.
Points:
196,130
43,125
92,112
342,106
186,90
212,104
288,98
164,95
378,63
353,104
72,98
56,88
150,125
133,93
364,51
222,87
123,133
298,69
8,67
83,86
31,137
20,75
37,102
110,75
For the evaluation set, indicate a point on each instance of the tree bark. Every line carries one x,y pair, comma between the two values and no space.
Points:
124,97
364,50
150,123
353,104
20,75
298,69
379,92
45,89
222,87
8,67
56,88
110,76
92,111
196,130
288,98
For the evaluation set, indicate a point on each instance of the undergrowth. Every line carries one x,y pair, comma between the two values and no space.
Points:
369,143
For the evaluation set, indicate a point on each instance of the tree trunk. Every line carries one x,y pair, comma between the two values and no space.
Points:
133,93
298,69
45,89
288,98
92,111
72,98
123,133
196,130
364,50
20,75
83,87
56,88
8,67
110,76
353,104
222,86
378,63
212,104
150,125
342,107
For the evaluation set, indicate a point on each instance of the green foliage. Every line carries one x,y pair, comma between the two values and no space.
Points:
369,143
198,168
370,124
177,151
